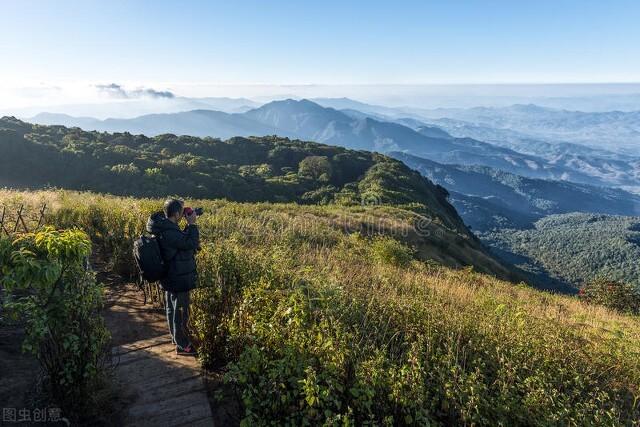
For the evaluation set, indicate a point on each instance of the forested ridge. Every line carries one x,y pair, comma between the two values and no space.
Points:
254,169
242,169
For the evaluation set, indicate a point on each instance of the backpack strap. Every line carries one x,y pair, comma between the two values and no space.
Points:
141,286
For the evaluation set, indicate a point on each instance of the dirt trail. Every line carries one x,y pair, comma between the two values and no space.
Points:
158,387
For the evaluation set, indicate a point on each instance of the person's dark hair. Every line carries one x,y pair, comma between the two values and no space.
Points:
172,207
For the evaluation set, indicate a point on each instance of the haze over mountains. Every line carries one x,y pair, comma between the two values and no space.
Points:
124,104
614,130
358,126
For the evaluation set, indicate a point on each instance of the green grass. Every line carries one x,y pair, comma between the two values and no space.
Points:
316,324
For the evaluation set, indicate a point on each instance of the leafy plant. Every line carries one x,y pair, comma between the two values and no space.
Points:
50,289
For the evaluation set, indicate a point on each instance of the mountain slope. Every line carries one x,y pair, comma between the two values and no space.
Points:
306,303
242,169
489,198
583,164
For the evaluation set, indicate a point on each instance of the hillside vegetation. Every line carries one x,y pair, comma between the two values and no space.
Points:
575,248
242,169
316,324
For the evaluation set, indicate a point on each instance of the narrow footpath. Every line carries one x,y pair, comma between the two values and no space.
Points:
159,388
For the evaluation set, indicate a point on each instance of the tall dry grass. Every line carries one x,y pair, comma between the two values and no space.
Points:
318,324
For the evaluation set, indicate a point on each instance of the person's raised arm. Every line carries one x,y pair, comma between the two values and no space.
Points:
189,239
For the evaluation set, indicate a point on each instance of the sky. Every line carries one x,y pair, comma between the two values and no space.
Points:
66,49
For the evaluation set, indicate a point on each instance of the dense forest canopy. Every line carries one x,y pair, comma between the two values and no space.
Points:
574,248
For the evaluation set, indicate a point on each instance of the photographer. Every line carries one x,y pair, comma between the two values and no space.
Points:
178,248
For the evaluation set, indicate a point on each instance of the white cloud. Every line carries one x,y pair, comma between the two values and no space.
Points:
115,90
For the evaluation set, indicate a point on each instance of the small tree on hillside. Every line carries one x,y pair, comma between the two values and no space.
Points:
315,167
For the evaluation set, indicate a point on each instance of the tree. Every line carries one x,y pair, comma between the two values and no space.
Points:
315,167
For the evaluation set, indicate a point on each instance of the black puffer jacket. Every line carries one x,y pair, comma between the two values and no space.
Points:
178,250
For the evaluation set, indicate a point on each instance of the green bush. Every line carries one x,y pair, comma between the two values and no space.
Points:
214,316
383,350
390,251
618,296
51,290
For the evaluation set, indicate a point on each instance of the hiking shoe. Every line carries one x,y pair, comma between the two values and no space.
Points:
187,351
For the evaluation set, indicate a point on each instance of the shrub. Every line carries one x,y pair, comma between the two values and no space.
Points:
315,167
618,296
51,290
214,315
390,251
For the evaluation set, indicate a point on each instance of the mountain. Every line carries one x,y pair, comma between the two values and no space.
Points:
196,122
489,198
616,131
61,119
307,120
366,131
267,169
578,163
594,164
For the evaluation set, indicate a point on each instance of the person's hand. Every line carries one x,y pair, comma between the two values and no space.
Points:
191,219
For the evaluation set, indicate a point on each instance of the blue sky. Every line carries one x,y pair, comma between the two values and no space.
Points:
323,42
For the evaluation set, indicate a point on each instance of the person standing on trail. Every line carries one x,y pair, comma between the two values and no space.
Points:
178,248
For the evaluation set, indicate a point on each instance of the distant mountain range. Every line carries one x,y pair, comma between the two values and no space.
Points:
135,107
535,131
489,198
613,130
355,129
617,131
305,120
196,123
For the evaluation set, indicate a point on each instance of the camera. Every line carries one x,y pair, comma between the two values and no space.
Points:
187,211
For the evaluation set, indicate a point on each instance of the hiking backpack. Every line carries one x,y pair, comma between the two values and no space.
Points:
151,265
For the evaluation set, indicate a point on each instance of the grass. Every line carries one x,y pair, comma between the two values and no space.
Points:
316,323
